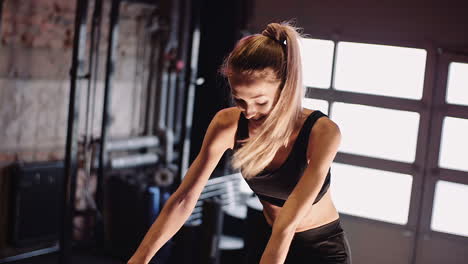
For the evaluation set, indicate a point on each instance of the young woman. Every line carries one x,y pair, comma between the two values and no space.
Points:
284,152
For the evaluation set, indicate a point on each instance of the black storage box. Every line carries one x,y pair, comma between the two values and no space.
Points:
34,202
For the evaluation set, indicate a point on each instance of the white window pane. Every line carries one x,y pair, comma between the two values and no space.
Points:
380,69
243,186
370,193
454,144
457,83
449,213
315,104
317,61
377,132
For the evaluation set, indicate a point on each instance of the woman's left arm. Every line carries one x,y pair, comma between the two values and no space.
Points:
324,140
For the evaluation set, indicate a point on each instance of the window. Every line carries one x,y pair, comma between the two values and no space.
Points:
449,213
315,104
454,144
370,193
377,132
457,84
380,70
317,60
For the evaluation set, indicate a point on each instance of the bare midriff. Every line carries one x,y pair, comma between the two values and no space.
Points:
321,213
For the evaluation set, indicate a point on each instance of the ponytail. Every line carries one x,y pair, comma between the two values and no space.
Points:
277,49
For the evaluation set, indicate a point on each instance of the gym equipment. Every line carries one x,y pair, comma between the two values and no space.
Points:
34,202
220,214
131,206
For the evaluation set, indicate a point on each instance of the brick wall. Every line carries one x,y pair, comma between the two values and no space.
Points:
35,56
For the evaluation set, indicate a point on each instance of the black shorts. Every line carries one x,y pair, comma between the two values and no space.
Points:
326,244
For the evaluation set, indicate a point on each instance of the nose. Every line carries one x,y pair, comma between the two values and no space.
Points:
250,112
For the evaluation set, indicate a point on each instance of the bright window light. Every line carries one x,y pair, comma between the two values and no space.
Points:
449,213
316,104
454,144
371,193
377,132
457,83
380,70
317,61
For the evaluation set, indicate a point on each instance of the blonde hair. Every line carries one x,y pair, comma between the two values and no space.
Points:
274,54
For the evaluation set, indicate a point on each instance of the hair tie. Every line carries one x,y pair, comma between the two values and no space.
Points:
282,43
276,33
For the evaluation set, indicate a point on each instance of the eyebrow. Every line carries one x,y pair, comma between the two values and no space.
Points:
250,98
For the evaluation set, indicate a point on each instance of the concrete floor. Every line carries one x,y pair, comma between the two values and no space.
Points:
78,256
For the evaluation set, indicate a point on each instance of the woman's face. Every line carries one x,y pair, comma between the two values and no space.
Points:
255,98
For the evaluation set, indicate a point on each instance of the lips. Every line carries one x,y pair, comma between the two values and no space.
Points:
259,119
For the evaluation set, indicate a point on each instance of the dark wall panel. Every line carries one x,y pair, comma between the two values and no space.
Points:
221,23
443,23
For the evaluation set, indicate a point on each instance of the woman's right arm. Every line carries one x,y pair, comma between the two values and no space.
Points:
182,202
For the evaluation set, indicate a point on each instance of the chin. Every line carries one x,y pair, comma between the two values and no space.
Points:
259,120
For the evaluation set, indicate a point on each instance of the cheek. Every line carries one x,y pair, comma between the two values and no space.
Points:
266,109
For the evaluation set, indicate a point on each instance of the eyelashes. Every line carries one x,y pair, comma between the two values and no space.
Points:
241,102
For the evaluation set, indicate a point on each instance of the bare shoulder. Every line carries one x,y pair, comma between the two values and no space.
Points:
227,118
324,141
224,125
323,123
324,126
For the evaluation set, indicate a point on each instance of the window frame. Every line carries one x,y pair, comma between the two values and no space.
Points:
432,107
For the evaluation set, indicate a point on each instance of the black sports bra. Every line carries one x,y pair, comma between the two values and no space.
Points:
275,186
